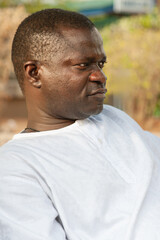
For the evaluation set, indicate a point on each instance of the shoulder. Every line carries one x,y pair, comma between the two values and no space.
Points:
114,112
11,148
119,117
130,126
13,159
153,142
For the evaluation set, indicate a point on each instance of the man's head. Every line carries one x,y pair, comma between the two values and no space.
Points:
39,37
58,58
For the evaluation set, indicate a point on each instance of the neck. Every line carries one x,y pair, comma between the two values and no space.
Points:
40,120
45,124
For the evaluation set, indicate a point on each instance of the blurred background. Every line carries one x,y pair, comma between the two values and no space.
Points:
131,34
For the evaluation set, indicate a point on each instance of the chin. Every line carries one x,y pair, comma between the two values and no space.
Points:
98,110
93,111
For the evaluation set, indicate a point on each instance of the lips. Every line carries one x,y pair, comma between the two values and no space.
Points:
98,91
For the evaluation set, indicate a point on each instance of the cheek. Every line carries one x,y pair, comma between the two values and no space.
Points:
76,89
77,83
66,83
51,84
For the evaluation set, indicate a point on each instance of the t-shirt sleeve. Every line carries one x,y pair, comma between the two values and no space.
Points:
26,212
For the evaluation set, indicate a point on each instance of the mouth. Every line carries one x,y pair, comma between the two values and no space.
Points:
99,92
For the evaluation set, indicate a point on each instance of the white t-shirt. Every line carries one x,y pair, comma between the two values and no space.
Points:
97,179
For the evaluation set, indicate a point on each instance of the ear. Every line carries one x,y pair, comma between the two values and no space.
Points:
31,69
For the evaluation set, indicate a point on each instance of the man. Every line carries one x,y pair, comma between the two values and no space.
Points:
79,171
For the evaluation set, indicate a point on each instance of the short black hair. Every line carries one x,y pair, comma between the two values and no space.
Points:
39,35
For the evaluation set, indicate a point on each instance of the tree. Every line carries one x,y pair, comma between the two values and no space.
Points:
133,70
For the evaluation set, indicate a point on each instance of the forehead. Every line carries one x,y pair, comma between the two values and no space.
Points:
82,35
82,43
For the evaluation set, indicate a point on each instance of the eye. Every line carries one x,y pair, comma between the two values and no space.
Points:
101,64
82,65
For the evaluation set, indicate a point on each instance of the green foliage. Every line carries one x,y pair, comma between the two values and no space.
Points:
8,3
34,5
37,5
133,68
157,107
103,20
151,20
132,45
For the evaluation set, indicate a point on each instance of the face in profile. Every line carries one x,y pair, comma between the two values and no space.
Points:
73,82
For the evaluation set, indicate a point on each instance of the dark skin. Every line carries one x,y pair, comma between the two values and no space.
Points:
69,87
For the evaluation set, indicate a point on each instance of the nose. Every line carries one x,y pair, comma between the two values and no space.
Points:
98,76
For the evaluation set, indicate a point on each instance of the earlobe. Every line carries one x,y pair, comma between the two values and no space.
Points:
31,69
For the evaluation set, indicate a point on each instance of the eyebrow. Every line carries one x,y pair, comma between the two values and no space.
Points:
85,59
92,59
